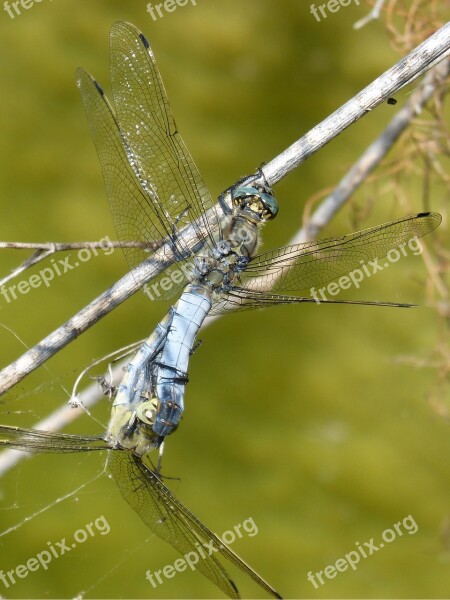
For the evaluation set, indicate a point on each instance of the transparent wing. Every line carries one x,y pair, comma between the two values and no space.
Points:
33,440
170,520
241,299
160,510
162,161
287,275
152,183
122,185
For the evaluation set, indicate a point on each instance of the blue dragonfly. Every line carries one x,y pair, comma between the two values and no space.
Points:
156,194
159,200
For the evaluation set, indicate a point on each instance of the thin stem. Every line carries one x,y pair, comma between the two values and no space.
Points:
63,246
44,250
357,174
433,49
373,155
372,16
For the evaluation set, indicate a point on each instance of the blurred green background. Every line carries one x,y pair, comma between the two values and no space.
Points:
301,418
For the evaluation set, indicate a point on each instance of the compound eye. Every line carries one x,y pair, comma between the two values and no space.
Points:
241,194
147,411
261,203
270,206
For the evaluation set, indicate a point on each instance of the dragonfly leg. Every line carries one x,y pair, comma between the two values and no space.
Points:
195,347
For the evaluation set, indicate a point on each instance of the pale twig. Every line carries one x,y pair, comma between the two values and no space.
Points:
415,63
374,154
89,315
64,246
383,87
44,250
372,16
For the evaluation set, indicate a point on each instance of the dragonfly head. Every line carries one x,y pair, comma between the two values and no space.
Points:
254,203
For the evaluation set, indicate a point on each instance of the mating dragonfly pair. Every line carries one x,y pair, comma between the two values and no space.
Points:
157,197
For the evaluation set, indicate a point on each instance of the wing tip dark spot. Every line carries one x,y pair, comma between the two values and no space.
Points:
144,40
97,85
423,214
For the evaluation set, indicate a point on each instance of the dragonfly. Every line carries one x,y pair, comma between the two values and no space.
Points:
158,199
157,196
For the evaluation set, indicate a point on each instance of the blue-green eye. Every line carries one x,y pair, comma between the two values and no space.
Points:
267,200
270,203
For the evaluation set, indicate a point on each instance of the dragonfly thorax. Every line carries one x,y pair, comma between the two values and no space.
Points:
218,268
223,248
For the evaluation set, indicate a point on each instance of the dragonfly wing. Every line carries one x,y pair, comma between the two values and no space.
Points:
170,520
34,440
126,196
290,274
166,171
132,210
152,184
240,299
